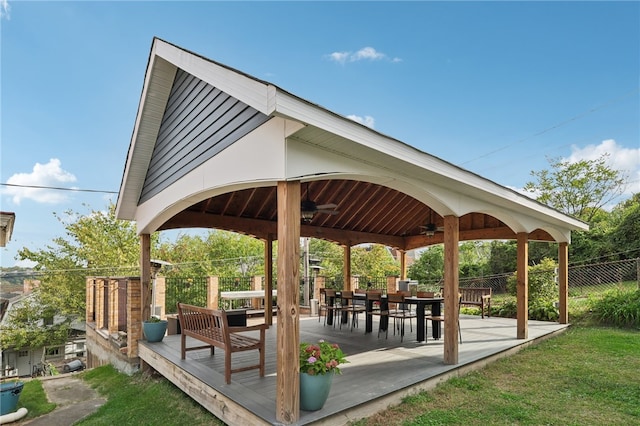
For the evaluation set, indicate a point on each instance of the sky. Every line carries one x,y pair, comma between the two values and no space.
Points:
498,88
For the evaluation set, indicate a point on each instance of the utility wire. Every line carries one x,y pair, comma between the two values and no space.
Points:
57,188
562,123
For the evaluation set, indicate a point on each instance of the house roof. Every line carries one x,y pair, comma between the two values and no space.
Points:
7,219
210,144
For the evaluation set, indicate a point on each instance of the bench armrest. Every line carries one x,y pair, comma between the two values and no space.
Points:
486,296
249,328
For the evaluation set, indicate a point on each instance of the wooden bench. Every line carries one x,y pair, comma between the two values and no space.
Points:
476,296
211,326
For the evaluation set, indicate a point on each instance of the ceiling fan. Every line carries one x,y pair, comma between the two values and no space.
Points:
309,208
430,228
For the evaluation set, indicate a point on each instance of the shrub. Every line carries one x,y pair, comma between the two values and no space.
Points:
508,309
542,284
543,311
618,307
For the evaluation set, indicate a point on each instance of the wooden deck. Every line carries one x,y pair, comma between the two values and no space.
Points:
380,371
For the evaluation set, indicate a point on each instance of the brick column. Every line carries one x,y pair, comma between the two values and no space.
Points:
392,285
90,292
100,303
161,296
134,316
319,283
112,320
256,284
212,293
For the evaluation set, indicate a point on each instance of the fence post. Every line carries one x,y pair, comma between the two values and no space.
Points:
256,285
114,306
90,293
134,316
319,283
392,284
161,296
212,292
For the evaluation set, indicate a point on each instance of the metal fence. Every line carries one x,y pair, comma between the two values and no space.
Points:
191,290
584,281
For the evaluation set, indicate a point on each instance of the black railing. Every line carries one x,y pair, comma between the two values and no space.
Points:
191,290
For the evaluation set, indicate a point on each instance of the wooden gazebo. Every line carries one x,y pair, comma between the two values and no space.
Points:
213,147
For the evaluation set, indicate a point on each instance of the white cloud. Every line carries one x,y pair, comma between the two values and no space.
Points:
48,175
366,120
366,53
4,9
626,160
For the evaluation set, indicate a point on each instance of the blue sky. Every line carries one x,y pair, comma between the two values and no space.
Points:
495,87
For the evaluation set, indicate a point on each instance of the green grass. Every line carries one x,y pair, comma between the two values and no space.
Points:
142,399
585,376
34,399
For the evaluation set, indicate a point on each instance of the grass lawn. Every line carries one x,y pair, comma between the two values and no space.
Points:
587,375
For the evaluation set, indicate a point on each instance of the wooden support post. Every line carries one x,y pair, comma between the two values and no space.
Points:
451,300
403,264
563,282
347,267
145,275
522,290
288,324
268,278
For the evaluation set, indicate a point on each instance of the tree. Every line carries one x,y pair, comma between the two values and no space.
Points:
626,220
95,244
580,189
216,252
429,267
329,254
373,260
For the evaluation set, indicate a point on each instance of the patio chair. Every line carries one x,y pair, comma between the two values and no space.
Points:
440,319
328,295
348,306
400,312
426,295
323,305
375,297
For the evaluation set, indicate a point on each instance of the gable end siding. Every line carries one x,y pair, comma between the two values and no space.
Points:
198,123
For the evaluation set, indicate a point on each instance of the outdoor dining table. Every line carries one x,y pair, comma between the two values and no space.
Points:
420,302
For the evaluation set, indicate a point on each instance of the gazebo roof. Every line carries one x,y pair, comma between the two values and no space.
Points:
210,144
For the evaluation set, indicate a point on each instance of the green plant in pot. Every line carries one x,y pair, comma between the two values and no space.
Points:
154,329
318,364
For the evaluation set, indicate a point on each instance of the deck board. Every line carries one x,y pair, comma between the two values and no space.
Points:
380,371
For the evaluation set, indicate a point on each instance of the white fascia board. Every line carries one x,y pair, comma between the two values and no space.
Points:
257,159
450,175
247,89
153,100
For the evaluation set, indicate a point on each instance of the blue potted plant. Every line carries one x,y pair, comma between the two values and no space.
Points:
318,364
154,329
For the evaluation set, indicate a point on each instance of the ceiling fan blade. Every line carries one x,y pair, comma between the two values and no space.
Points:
331,212
326,206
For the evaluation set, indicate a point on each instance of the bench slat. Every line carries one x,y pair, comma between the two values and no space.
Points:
211,326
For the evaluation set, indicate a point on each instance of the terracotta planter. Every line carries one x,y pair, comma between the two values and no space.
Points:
314,390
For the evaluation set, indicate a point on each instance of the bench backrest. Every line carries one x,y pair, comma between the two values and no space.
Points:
472,294
196,318
475,294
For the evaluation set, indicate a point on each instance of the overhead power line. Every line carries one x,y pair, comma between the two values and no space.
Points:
555,126
57,188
